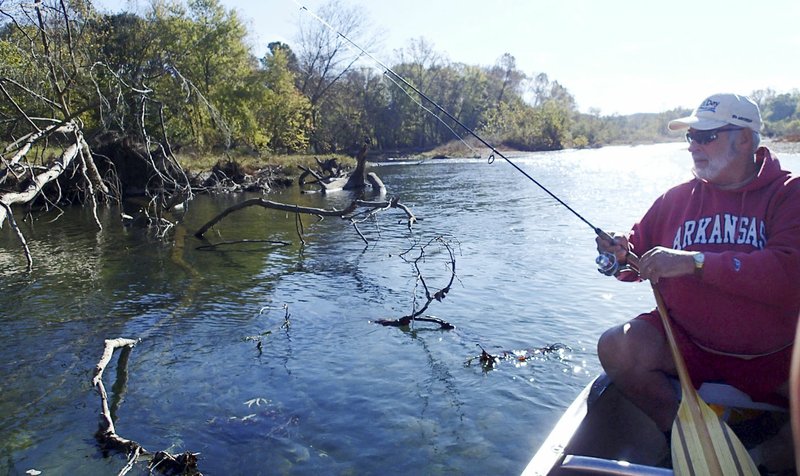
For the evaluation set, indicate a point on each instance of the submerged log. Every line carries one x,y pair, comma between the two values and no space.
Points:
107,437
439,295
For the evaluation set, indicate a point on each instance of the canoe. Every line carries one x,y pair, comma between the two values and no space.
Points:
602,432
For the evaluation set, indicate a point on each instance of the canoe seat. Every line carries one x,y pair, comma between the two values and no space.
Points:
727,396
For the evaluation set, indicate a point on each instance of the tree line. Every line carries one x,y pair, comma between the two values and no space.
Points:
185,69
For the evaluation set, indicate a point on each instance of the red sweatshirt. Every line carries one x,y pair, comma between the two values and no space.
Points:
748,297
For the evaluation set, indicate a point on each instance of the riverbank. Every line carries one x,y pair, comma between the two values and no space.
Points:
248,171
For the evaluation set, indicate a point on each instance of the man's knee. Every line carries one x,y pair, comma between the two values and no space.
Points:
633,344
610,347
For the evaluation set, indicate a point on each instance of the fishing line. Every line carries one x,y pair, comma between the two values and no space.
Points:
607,262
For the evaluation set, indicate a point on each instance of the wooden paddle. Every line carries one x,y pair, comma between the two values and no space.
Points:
701,442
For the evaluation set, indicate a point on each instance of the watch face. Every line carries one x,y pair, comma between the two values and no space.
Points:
699,258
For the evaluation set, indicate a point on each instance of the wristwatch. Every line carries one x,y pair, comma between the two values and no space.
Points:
699,259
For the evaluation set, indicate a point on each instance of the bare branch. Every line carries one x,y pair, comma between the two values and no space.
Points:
31,93
320,212
16,106
28,140
39,181
439,295
19,234
54,81
107,436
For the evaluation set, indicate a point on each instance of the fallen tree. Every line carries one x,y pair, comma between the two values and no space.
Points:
357,212
50,92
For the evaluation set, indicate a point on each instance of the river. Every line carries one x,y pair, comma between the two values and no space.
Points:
333,392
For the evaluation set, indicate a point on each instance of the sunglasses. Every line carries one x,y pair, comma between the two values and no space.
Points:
707,137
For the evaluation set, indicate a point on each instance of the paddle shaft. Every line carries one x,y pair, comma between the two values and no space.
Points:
690,398
695,406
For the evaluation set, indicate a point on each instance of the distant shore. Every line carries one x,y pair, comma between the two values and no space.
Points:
284,170
781,146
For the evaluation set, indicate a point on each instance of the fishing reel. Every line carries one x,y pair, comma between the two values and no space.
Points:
607,264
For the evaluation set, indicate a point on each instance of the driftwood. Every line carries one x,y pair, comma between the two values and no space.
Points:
357,180
488,361
352,212
329,167
107,437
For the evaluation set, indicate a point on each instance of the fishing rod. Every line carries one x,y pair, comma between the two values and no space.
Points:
606,262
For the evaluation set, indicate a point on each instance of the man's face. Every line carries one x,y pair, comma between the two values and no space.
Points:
714,154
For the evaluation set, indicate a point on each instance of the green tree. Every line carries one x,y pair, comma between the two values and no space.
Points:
780,107
197,64
213,55
285,113
291,59
544,125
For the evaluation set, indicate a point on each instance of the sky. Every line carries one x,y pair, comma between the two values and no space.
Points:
613,56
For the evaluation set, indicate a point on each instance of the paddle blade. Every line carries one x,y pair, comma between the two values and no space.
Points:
690,454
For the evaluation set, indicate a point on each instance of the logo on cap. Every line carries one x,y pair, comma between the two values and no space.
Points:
709,106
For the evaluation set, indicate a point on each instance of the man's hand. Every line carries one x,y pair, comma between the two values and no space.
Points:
617,246
661,262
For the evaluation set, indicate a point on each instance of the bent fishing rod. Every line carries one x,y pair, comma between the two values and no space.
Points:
606,262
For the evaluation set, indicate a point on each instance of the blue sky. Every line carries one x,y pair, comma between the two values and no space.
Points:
618,56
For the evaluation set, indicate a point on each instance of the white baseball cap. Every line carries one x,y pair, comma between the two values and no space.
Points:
720,110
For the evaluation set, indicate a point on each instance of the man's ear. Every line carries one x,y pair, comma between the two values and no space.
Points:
745,138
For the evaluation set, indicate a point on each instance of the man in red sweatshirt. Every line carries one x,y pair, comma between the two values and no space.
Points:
724,249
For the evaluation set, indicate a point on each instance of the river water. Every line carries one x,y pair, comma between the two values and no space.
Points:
333,392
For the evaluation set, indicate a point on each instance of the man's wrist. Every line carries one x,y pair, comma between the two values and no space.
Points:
699,262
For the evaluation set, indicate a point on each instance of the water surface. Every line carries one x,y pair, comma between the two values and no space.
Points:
333,393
